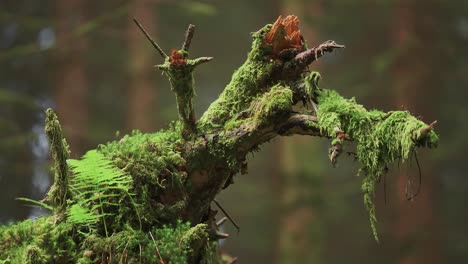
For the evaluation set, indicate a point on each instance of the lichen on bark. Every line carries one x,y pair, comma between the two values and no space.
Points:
165,213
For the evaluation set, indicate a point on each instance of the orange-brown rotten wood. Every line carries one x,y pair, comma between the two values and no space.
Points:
284,34
177,58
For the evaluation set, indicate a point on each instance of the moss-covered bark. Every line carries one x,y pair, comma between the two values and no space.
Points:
147,197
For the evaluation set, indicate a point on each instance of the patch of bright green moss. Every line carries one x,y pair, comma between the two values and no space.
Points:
250,80
171,244
278,98
42,241
35,241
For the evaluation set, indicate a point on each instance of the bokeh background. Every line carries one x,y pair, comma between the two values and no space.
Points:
87,60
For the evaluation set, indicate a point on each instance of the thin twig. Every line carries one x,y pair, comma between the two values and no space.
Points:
420,172
201,60
157,249
221,221
140,252
124,253
385,188
188,37
227,215
221,235
420,175
155,45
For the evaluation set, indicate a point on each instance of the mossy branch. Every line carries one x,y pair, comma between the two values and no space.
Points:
177,173
60,152
307,57
179,70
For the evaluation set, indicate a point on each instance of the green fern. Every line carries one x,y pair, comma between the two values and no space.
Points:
97,186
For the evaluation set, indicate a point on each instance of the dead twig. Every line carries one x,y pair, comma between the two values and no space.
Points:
188,37
227,215
221,221
307,57
155,45
157,249
124,253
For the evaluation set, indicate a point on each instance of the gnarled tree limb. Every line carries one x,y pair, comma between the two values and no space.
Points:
177,173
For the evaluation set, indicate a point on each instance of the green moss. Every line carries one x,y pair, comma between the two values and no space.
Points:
60,152
123,206
142,155
210,254
247,83
156,164
154,161
36,241
182,84
41,241
134,246
278,98
311,86
35,255
174,242
382,138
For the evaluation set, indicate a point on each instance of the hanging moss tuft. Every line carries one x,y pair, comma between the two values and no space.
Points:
381,138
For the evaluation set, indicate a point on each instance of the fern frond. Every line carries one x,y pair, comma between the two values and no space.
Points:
80,215
39,203
96,185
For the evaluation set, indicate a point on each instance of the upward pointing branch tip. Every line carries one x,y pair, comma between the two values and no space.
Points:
155,45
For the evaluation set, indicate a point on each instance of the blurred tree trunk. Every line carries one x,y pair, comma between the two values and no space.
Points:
141,92
71,80
298,241
412,80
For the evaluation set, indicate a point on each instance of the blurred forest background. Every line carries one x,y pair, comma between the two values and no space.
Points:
87,60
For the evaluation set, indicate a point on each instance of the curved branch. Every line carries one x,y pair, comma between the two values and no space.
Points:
283,124
300,124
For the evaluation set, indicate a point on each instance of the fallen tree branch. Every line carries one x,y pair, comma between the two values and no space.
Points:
175,174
